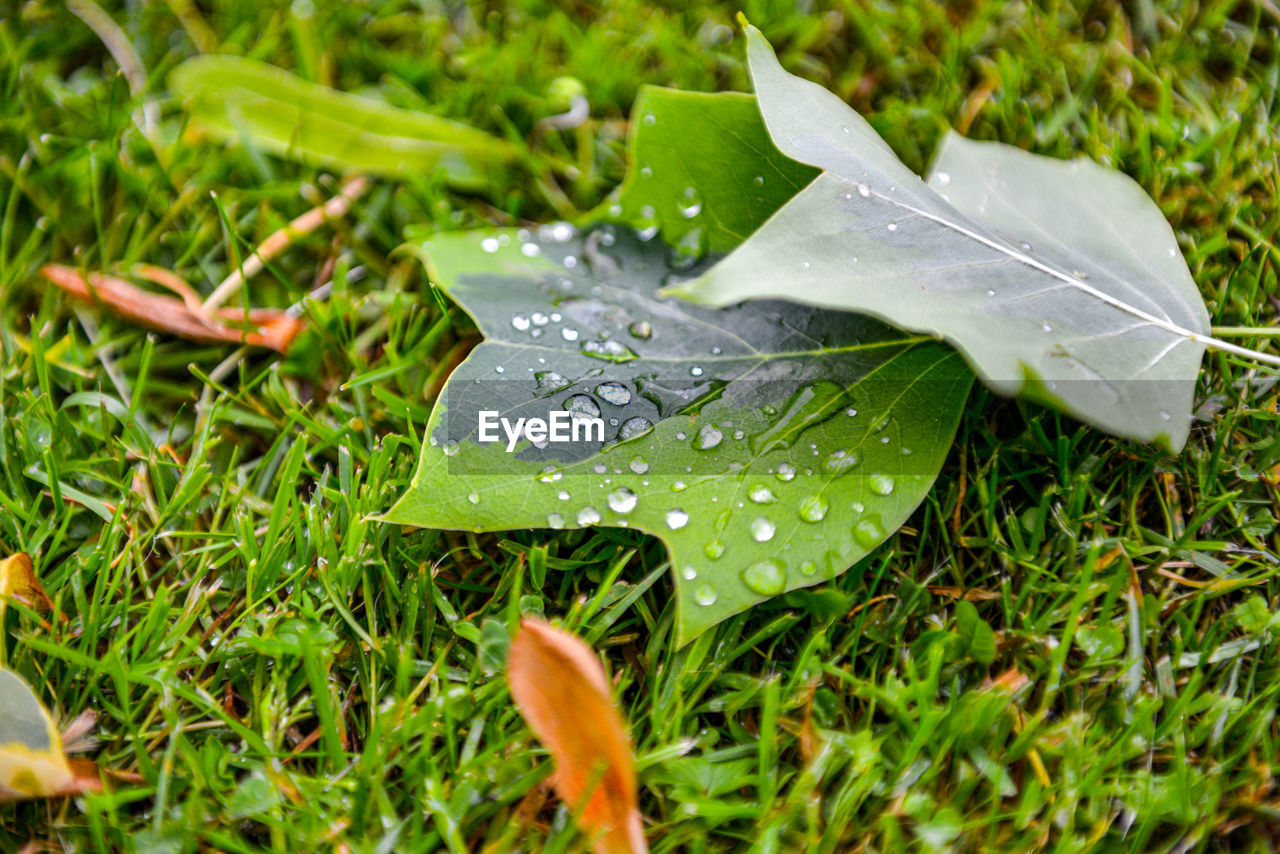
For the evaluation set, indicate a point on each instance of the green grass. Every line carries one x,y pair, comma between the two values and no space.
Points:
283,673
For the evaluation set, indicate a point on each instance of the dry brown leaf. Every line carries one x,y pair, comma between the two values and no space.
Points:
561,689
181,315
18,581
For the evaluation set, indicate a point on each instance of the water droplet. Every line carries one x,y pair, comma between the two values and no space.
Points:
498,369
563,495
714,550
766,578
539,319
615,393
695,371
708,437
520,323
570,262
864,190
690,203
1046,327
557,232
867,533
489,244
851,412
705,595
677,518
609,351
633,427
881,484
841,461
530,250
758,180
555,520
588,516
474,498
679,486
638,465
991,292
808,568
646,171
650,119
760,494
893,226
550,474
1026,247
814,508
1165,415
582,406
549,381
786,472
641,329
762,529
622,500
569,333
942,179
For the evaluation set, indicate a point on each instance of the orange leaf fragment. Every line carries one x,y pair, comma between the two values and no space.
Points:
269,328
561,689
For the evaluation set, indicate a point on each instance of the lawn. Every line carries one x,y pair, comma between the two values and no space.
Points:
275,670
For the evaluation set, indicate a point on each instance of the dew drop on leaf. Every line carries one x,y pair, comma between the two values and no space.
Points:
766,578
841,461
569,333
489,244
677,518
555,520
714,550
942,178
808,568
881,484
705,595
615,393
696,371
530,250
786,472
641,329
708,437
609,350
689,573
588,516
690,203
762,529
814,508
520,323
582,406
638,465
622,500
867,533
633,427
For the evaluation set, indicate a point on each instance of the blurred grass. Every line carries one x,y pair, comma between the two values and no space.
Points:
283,674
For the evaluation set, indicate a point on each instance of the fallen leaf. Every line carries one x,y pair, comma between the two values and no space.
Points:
181,315
32,762
561,689
18,581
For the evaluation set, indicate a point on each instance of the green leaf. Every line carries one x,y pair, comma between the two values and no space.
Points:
769,445
235,98
32,763
1058,280
704,170
977,640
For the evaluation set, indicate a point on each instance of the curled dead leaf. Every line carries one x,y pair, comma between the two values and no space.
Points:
32,762
18,582
561,689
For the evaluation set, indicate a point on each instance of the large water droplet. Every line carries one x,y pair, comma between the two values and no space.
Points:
808,406
677,518
549,381
609,351
708,437
622,500
762,529
814,508
690,203
489,244
638,465
633,427
588,516
615,393
569,333
786,472
841,461
867,532
582,406
705,595
760,494
714,550
520,323
555,520
881,484
766,578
